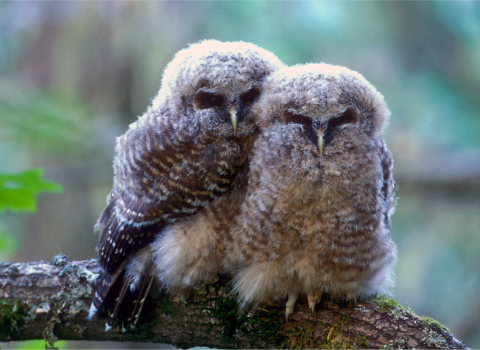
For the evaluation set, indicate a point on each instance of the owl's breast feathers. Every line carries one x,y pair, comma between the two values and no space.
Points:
344,193
160,177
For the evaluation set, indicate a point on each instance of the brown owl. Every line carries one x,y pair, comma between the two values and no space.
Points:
316,215
186,152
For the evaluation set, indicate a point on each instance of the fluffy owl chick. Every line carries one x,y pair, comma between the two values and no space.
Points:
316,216
188,150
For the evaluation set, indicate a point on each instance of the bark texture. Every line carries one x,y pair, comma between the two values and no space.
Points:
42,300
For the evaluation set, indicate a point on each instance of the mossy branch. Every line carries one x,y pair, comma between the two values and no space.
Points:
51,300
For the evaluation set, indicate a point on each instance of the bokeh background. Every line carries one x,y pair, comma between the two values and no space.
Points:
74,75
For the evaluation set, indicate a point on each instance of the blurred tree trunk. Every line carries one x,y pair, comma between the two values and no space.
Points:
51,300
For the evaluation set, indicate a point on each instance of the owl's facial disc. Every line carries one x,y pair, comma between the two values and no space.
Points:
322,134
239,107
230,108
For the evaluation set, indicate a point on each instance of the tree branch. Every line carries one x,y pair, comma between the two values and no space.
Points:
51,300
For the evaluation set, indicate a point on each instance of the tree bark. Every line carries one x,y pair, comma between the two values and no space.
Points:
50,301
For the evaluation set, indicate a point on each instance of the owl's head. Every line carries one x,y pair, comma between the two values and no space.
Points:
320,115
215,84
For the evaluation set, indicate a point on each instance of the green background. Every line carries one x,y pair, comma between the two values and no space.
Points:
74,75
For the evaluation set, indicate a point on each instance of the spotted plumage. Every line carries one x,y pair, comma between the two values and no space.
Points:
316,215
187,151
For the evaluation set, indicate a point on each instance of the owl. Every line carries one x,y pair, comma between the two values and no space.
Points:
316,215
188,151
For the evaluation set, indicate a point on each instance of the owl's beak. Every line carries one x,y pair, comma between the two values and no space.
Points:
233,118
321,143
321,140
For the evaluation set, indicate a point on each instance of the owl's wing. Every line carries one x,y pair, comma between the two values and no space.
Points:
162,173
388,182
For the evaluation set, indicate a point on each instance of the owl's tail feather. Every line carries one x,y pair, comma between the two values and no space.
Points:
118,302
137,298
104,288
115,298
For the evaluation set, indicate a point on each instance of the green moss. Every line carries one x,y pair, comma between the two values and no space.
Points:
166,306
299,339
268,322
337,336
12,313
263,320
392,307
428,322
385,303
363,342
398,311
226,310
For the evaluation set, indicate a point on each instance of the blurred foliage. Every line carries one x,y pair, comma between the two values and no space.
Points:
8,244
74,75
43,123
18,191
39,344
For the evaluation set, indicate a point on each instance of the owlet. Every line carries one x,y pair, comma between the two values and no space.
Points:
189,150
316,215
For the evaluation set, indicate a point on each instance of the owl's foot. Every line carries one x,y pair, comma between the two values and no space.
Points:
292,298
313,298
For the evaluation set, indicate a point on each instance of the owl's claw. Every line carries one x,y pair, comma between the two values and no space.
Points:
313,299
292,298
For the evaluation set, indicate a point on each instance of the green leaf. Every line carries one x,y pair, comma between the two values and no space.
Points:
18,191
40,344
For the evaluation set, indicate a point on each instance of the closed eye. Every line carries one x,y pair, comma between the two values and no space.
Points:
206,99
350,116
250,96
306,122
297,119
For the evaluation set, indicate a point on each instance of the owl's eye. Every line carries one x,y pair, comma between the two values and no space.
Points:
306,122
205,99
350,116
250,96
297,119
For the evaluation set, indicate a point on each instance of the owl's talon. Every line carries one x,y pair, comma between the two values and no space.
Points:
313,299
288,311
292,299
